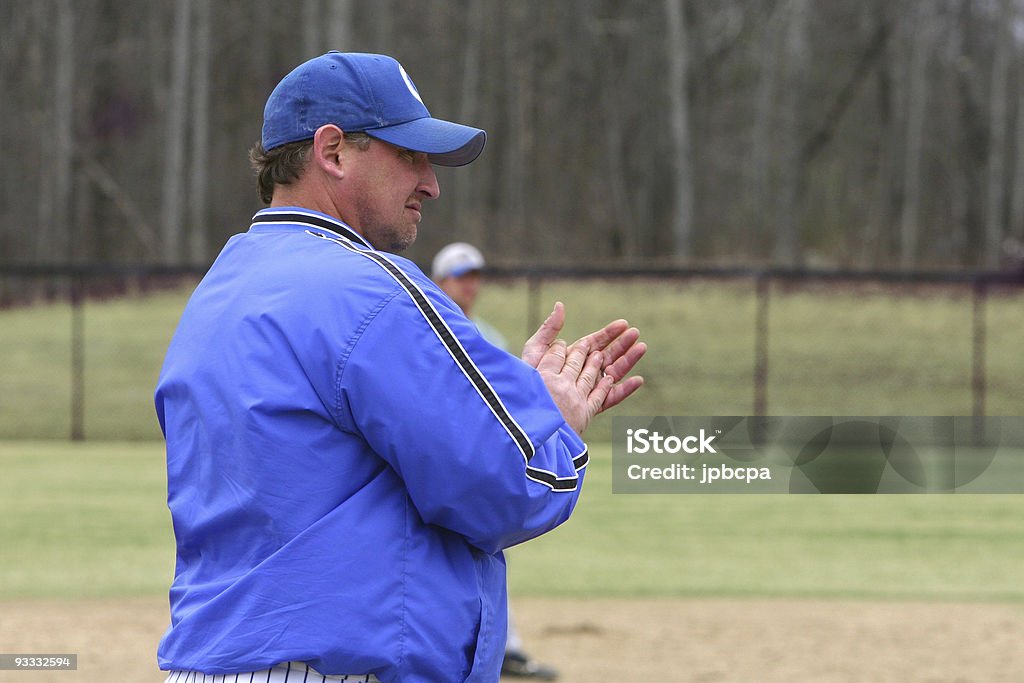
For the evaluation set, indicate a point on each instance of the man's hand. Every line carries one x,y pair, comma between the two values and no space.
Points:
588,376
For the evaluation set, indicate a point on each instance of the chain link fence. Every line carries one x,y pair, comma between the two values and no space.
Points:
82,346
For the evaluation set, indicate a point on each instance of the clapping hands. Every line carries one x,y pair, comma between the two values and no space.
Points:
590,375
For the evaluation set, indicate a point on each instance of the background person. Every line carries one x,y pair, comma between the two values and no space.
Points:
346,456
458,271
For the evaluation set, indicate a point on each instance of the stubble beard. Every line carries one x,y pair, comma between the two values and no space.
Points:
388,237
394,241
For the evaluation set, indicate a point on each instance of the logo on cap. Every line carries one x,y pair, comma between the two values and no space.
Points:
409,85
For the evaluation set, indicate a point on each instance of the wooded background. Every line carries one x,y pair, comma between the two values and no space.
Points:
838,133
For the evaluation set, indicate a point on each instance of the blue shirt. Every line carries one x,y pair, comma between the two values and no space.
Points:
346,459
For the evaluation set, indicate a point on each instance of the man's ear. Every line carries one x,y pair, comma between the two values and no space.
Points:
328,150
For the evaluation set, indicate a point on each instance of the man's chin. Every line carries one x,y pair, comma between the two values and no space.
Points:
399,243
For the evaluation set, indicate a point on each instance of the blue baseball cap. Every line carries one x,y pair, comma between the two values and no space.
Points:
368,93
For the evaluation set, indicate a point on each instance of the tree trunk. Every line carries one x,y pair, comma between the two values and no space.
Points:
339,25
918,25
996,181
874,246
794,64
174,137
312,29
763,132
517,69
63,131
465,198
198,176
679,115
1016,227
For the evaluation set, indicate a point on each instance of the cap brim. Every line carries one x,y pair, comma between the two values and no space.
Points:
464,270
444,142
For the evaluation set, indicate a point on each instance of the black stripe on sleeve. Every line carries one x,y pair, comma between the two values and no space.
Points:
470,370
462,358
553,480
581,460
453,347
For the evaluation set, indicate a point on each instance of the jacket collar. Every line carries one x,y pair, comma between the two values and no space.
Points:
309,219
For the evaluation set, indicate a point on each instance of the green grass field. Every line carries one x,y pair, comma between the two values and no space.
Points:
125,340
832,351
917,547
90,520
83,520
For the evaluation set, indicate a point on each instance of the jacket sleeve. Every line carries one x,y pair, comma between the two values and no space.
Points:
471,430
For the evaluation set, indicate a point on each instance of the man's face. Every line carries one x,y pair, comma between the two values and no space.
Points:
462,289
385,188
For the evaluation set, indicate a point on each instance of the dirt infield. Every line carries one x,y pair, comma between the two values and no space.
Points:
699,640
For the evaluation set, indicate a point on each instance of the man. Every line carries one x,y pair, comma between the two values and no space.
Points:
346,457
457,270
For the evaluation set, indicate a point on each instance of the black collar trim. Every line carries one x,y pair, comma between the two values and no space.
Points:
311,220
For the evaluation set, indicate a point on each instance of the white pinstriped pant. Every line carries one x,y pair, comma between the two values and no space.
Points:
286,672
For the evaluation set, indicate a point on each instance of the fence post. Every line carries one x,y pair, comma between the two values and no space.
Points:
77,357
763,283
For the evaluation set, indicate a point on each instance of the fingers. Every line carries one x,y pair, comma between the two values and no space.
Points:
553,360
576,357
599,395
622,366
600,339
603,377
590,374
618,341
620,346
618,393
537,345
615,338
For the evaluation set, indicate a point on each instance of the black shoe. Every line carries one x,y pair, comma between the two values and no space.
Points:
519,665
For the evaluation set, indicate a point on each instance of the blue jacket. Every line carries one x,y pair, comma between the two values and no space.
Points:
346,459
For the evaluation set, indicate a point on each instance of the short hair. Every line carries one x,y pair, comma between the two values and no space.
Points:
284,164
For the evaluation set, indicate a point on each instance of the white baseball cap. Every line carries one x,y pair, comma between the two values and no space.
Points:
455,260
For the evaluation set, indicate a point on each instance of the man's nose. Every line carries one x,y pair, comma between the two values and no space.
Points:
428,186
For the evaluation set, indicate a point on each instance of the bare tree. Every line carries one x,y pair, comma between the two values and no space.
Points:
339,24
679,115
605,35
174,136
312,28
917,23
998,116
200,149
879,213
63,136
1016,227
518,146
762,142
794,63
763,124
469,107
